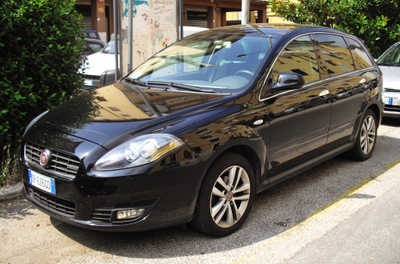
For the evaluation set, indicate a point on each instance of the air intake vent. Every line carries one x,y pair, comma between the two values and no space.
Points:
91,77
51,203
391,90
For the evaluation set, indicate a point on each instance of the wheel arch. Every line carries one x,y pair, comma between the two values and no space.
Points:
377,111
251,156
247,152
357,126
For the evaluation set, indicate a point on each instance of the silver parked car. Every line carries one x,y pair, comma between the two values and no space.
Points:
389,63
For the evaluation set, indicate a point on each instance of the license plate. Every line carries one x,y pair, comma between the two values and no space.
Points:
388,100
42,182
88,82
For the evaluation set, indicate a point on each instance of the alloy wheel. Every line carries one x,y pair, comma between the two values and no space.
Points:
368,134
230,196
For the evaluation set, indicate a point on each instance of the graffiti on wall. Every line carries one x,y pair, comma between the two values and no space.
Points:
154,27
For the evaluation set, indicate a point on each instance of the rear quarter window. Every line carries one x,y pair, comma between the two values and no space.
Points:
361,58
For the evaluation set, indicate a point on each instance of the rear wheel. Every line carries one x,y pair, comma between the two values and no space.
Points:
366,138
226,196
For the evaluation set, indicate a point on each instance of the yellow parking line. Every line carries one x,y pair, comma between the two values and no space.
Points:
318,214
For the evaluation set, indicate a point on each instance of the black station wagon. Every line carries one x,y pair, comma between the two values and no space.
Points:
192,134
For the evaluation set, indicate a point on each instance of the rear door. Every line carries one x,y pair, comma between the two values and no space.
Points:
347,85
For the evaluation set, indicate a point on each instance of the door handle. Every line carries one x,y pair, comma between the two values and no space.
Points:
258,122
324,93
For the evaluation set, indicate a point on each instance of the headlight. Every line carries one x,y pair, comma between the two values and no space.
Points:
138,151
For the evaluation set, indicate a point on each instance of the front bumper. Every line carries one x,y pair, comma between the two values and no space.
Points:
91,82
392,104
166,192
167,199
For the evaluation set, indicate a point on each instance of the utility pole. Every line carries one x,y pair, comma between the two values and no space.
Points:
130,32
116,31
245,11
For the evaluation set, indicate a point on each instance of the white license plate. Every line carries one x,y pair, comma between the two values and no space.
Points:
42,182
388,100
88,82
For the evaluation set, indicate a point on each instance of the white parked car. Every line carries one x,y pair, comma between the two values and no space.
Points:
189,30
389,63
100,67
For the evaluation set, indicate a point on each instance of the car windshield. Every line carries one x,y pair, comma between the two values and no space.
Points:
217,62
109,47
391,57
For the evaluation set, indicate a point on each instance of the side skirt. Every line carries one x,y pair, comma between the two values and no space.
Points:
283,176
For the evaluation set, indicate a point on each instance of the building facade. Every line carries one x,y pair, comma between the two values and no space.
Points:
99,14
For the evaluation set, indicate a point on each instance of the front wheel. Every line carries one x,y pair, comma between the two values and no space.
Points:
366,138
226,196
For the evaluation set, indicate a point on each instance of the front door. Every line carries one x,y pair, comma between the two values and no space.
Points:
299,119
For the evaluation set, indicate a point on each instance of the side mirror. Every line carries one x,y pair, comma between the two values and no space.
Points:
288,80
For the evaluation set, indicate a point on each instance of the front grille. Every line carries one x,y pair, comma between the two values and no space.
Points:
393,108
91,77
101,214
61,163
391,90
51,203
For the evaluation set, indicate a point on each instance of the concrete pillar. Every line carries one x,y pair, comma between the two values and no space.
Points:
245,11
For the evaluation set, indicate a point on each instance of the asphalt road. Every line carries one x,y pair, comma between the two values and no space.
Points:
341,211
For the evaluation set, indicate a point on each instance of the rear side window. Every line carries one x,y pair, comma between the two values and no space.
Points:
361,58
299,57
335,53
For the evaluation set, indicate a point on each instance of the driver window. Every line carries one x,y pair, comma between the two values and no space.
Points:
299,57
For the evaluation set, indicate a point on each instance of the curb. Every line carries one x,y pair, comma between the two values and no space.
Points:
11,191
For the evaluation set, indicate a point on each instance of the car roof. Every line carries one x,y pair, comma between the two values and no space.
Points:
278,30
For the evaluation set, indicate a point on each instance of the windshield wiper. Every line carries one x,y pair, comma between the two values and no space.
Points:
186,87
182,86
192,88
158,83
135,81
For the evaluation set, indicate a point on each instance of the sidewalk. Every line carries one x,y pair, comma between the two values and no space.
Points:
11,191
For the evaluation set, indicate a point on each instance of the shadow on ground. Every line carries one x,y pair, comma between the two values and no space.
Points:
17,208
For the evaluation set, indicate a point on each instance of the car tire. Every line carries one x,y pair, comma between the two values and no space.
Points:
225,197
366,138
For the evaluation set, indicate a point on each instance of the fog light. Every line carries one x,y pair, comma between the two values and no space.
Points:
129,213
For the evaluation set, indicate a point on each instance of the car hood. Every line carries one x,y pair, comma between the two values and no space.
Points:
390,76
113,114
98,63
